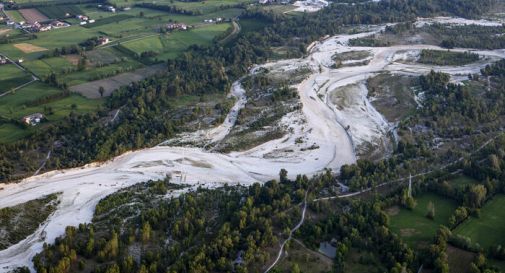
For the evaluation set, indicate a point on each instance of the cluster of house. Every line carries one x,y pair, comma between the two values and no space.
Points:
177,26
39,27
103,40
214,20
83,19
3,60
33,119
282,2
107,8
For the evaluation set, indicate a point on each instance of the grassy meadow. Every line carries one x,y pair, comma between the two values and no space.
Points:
11,76
489,229
413,225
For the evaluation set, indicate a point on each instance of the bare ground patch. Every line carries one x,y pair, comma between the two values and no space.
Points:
29,48
459,260
90,89
4,31
73,59
392,211
33,15
408,232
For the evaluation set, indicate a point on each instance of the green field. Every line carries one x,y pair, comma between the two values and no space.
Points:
44,67
15,106
413,226
60,11
489,229
250,25
15,15
10,133
50,40
92,74
11,76
171,45
202,7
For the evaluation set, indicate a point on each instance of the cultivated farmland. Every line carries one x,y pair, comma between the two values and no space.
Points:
29,48
169,46
32,15
14,15
11,77
90,89
60,11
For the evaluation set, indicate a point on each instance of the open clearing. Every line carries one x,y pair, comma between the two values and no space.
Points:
308,260
29,48
489,229
32,15
414,227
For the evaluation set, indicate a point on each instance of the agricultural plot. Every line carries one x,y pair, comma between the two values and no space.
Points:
171,45
32,15
109,20
60,11
279,9
198,7
489,229
413,225
14,15
13,106
29,48
11,77
92,74
10,133
33,99
90,89
44,67
24,102
205,7
105,56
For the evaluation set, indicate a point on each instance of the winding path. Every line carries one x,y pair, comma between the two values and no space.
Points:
281,250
